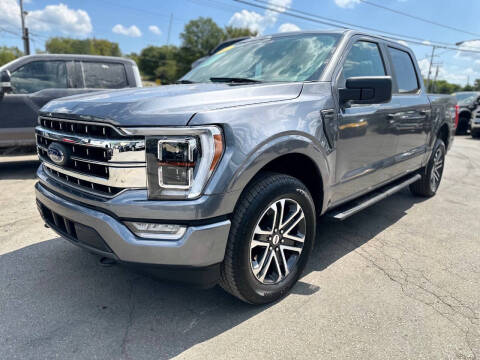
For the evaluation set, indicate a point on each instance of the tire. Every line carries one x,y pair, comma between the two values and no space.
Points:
475,133
462,126
428,185
246,271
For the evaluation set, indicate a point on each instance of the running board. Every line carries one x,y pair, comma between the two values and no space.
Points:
347,210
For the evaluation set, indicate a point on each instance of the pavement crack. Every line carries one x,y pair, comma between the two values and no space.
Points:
414,283
131,306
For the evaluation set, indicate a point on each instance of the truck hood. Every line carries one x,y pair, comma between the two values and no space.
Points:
171,105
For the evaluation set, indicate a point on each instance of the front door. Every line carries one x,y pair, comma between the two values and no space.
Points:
366,145
33,85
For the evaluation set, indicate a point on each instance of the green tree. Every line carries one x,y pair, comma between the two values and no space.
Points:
198,38
105,47
231,32
159,62
59,45
468,87
134,56
444,87
8,54
476,84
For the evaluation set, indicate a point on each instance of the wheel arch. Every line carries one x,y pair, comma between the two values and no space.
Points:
443,133
297,157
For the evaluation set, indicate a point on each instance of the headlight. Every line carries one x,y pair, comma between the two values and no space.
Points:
180,162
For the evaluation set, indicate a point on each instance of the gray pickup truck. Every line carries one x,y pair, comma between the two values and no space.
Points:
221,178
28,83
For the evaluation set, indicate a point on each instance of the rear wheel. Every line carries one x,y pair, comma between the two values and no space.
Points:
428,185
475,133
270,239
463,123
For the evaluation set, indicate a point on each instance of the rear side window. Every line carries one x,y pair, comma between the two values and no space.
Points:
363,59
39,75
104,75
404,71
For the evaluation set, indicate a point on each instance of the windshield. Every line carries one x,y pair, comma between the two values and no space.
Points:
279,59
464,96
467,100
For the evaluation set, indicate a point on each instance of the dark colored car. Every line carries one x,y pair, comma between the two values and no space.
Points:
221,179
30,82
467,103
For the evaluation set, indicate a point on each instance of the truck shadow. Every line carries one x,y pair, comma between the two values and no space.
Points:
18,170
58,300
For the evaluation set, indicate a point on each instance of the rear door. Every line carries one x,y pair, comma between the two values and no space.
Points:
412,116
365,146
33,85
103,75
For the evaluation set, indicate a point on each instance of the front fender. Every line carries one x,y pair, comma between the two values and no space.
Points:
272,149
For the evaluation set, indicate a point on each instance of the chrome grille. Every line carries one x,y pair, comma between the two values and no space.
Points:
100,159
84,185
83,159
79,127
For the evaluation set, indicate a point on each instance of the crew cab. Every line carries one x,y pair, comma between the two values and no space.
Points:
221,178
28,83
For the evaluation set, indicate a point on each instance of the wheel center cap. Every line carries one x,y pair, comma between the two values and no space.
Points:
276,239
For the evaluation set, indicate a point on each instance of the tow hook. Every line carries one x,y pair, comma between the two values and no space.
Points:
107,262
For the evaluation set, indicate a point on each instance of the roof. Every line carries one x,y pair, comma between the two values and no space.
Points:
79,57
347,32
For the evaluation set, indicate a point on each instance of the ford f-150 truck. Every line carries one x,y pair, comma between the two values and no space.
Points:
29,82
221,178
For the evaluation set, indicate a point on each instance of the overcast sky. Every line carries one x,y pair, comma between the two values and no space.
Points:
136,24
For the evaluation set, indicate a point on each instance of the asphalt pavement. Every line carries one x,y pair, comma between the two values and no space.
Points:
401,280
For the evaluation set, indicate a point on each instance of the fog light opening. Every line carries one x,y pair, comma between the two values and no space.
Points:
157,231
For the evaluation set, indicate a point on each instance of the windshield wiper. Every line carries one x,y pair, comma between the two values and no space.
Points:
233,80
185,82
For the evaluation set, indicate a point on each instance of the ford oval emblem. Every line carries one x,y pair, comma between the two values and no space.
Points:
57,153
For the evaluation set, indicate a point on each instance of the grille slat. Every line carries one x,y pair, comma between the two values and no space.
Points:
91,187
75,127
100,160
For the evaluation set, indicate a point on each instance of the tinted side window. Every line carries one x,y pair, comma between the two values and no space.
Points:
404,70
364,59
39,75
104,75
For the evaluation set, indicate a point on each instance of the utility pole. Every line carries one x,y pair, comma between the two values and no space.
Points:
26,42
169,29
430,69
435,79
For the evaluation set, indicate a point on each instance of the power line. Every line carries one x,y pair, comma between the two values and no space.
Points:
347,25
417,17
336,23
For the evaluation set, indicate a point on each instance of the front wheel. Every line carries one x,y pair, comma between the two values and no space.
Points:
428,185
271,237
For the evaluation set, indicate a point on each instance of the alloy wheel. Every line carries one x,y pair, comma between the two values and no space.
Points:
437,169
277,241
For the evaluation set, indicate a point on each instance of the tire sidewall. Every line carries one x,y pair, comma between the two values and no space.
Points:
249,285
438,144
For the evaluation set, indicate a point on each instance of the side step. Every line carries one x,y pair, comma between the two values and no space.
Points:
350,208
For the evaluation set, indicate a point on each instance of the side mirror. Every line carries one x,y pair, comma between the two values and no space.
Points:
367,90
5,85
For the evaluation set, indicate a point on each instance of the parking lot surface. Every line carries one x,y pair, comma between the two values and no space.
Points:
399,280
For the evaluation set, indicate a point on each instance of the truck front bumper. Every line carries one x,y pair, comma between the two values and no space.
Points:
475,123
200,247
